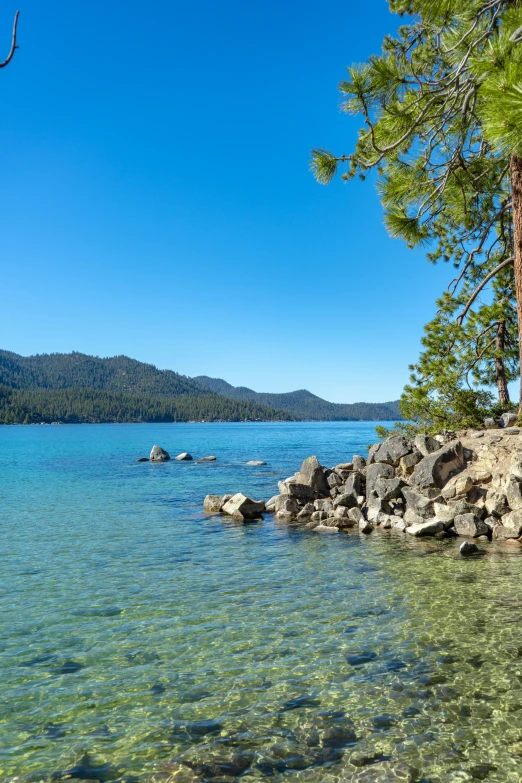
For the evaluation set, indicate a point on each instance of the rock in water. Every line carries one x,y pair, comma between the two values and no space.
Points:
206,459
426,528
213,504
469,524
241,507
468,548
312,474
256,462
158,454
142,459
184,456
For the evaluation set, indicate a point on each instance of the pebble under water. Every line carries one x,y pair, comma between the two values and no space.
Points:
144,642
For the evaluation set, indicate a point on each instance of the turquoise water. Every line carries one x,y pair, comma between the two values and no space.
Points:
142,641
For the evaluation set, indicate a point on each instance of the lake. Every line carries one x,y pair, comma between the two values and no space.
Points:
142,641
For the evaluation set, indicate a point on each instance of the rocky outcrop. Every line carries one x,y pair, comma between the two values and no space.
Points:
466,485
157,454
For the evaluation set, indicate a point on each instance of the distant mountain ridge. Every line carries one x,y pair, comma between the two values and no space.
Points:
75,387
304,405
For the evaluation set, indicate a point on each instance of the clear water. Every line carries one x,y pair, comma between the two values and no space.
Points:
143,641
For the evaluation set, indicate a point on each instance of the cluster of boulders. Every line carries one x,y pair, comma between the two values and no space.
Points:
448,485
157,454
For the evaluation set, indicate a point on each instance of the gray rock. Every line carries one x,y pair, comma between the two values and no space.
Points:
255,462
302,492
270,504
470,525
385,521
355,514
358,462
184,457
376,471
464,507
388,489
206,459
426,528
419,503
400,525
426,445
283,485
334,480
445,514
335,491
468,548
365,526
241,507
157,454
509,419
391,451
372,451
213,504
323,504
435,469
142,459
355,483
324,528
345,499
306,512
407,463
490,423
342,515
286,503
496,503
312,473
510,527
411,518
317,516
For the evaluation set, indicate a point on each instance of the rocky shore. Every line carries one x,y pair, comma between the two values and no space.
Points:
466,484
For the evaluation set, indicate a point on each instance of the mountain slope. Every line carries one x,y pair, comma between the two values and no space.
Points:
304,405
77,387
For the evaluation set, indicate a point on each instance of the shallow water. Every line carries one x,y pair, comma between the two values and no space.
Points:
136,633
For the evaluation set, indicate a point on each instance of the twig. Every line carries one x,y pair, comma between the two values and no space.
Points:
14,47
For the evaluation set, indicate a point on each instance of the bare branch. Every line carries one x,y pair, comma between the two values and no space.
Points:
14,47
479,288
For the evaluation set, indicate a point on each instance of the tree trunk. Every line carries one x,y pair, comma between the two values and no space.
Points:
516,187
500,370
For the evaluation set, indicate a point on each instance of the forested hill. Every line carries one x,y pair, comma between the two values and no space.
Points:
79,388
304,405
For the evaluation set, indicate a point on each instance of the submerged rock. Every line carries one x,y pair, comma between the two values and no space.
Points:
468,548
184,456
426,528
213,504
256,462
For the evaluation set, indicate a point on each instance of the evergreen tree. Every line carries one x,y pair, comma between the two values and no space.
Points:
442,112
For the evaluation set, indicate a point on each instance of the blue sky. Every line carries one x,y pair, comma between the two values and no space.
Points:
156,199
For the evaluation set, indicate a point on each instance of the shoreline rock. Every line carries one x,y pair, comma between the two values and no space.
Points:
466,485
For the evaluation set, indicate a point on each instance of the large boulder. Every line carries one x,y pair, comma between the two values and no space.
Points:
157,454
392,450
388,489
301,492
496,503
470,525
426,444
306,512
407,463
376,471
426,528
355,483
419,503
241,507
286,503
510,527
435,469
509,419
313,475
346,499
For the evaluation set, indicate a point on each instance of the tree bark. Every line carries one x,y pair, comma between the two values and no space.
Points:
516,187
500,370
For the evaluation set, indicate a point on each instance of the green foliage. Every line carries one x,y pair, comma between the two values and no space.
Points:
441,111
78,388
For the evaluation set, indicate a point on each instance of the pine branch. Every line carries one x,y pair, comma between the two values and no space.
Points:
14,47
479,288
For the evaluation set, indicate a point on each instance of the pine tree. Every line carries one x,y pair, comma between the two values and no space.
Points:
442,112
